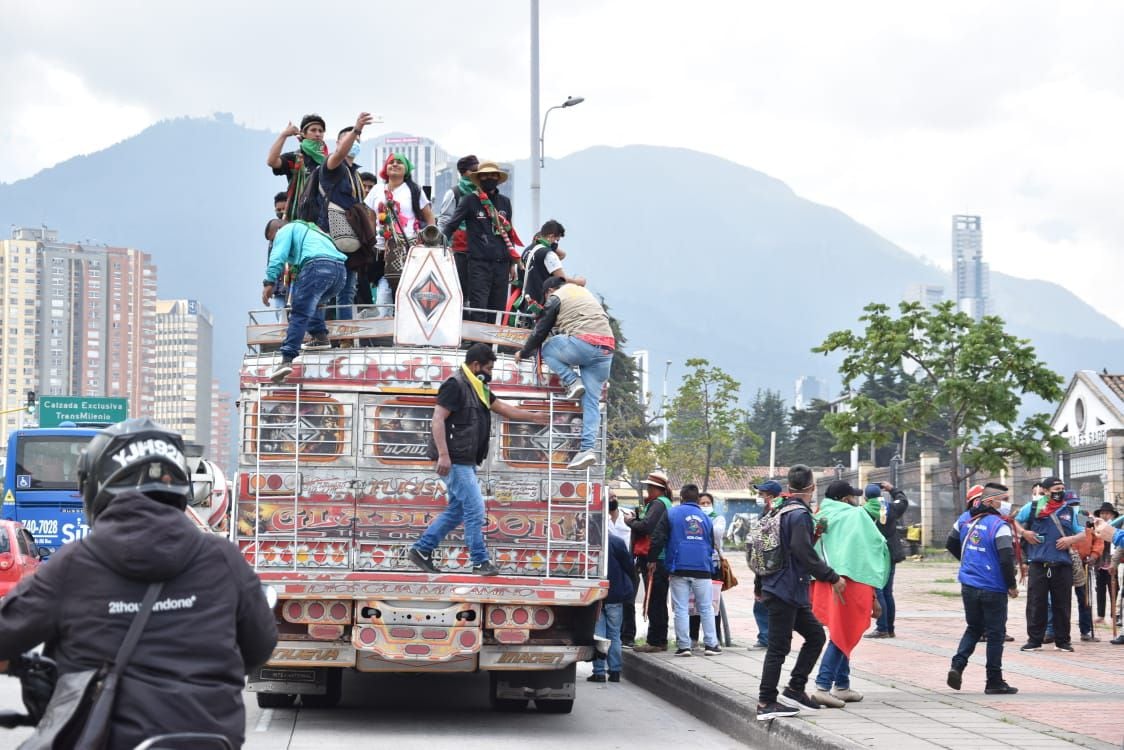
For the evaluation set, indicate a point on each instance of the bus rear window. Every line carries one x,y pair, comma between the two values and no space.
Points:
49,463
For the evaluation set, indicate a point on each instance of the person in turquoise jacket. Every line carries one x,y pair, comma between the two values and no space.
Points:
320,275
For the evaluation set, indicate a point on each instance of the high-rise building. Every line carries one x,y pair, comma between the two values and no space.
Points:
929,295
427,157
76,321
222,428
969,273
184,378
808,389
640,357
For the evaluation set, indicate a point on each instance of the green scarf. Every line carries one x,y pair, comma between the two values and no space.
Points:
874,507
851,544
314,150
478,387
466,186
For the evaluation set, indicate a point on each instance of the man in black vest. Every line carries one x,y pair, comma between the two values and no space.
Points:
462,426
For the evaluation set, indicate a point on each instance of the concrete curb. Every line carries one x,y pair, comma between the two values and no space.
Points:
726,710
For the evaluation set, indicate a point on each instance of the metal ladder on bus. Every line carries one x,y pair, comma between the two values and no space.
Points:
272,389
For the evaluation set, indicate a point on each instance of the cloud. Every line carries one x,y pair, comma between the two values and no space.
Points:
899,114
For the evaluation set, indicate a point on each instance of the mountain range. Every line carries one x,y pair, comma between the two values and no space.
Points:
696,255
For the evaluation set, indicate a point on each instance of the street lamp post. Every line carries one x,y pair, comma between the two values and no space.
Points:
895,469
839,469
663,401
536,169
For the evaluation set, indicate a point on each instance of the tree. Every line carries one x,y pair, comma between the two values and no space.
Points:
812,443
705,423
766,415
964,384
893,385
628,430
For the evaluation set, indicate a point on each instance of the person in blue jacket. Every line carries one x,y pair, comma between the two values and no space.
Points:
982,540
1050,579
621,590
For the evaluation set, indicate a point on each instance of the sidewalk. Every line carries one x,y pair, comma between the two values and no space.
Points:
1064,700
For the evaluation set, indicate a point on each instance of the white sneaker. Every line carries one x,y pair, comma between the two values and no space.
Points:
827,700
281,371
576,390
848,695
582,460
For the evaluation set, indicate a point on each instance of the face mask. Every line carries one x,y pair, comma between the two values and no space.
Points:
489,185
1056,496
354,152
483,377
553,245
1005,508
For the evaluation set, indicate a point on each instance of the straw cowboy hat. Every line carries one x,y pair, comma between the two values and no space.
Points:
487,167
657,479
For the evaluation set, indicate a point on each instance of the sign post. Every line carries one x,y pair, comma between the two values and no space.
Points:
83,411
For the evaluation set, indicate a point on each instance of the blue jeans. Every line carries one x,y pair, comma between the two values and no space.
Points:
346,298
681,589
885,596
761,615
466,505
609,626
319,281
835,669
562,354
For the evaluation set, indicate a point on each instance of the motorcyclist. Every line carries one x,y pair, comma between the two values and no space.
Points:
210,625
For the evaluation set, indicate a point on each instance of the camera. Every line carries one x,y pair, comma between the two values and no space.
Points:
1089,524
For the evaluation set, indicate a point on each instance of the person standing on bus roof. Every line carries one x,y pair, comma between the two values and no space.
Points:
462,427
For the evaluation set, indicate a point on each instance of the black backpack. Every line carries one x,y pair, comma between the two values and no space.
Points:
310,202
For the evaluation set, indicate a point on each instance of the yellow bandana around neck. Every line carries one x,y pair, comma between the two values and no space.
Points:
478,386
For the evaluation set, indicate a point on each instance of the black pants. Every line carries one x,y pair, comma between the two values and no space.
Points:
986,614
657,601
1103,577
1055,581
461,261
628,620
487,284
784,618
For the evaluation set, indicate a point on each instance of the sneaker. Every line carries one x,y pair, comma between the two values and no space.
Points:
1118,641
847,695
614,677
878,634
317,342
684,652
955,678
1029,646
582,460
1089,637
485,569
774,710
797,700
1008,638
758,646
281,371
423,560
575,390
712,650
629,645
597,678
826,699
1064,647
1001,688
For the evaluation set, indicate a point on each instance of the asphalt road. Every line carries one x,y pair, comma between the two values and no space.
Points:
451,711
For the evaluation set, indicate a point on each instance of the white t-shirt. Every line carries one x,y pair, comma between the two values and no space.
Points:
410,223
550,262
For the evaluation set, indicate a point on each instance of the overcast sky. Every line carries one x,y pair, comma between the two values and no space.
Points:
897,114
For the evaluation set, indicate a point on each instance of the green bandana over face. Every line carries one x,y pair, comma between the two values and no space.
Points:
314,150
873,506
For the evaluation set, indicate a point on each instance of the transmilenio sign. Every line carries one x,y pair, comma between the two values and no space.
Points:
84,411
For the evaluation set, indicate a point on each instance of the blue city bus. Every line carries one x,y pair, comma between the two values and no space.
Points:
41,484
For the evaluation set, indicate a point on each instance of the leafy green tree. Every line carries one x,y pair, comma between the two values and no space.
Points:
628,430
767,414
705,423
812,443
967,383
893,385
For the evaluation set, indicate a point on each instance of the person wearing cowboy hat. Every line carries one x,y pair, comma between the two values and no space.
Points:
1103,565
657,502
491,241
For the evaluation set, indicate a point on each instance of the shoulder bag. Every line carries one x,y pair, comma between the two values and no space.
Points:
81,708
1079,578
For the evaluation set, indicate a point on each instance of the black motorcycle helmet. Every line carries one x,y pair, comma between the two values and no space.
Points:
135,455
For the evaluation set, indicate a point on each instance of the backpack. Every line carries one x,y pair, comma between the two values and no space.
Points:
309,201
763,549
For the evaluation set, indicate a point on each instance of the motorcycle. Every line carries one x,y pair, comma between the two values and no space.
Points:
38,674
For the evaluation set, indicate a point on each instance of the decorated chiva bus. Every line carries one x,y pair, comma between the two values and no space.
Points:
334,485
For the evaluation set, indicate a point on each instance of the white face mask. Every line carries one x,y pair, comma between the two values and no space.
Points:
1005,508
